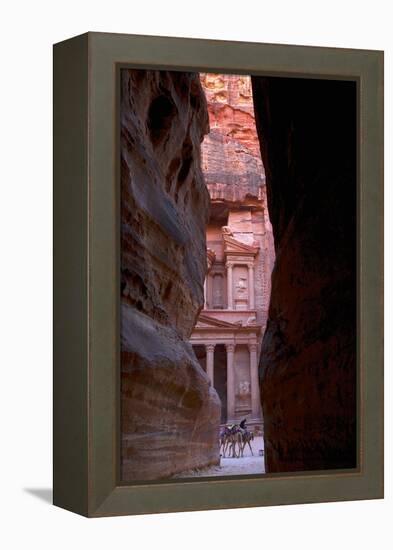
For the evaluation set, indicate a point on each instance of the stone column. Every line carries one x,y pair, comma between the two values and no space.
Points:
230,285
210,362
251,299
255,396
230,383
209,286
210,256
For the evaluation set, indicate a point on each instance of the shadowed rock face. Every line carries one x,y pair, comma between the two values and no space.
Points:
170,414
307,131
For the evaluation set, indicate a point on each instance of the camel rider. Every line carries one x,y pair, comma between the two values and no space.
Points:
243,427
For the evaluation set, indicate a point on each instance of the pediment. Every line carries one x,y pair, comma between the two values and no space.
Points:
204,321
233,246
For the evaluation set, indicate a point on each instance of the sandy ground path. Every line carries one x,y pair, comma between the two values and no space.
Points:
246,465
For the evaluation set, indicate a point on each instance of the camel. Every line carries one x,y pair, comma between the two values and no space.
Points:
228,440
232,437
233,440
247,437
223,442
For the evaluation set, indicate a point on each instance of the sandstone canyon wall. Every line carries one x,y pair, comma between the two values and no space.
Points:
170,413
307,130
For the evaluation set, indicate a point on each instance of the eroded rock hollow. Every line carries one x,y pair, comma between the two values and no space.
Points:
307,131
170,413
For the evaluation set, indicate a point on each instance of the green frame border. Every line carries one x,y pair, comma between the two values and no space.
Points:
86,269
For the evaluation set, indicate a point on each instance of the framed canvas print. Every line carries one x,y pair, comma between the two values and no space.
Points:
218,249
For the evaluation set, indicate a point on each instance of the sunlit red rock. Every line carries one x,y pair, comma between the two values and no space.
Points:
231,158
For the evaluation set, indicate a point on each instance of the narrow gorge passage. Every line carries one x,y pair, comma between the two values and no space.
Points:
228,336
238,273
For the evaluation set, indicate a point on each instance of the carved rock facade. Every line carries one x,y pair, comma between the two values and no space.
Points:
170,412
229,331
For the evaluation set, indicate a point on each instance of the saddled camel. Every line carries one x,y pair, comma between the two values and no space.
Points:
247,437
234,440
223,443
229,438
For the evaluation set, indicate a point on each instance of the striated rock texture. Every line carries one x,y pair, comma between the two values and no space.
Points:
169,414
231,158
307,130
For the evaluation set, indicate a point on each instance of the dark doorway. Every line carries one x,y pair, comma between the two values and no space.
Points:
220,378
200,352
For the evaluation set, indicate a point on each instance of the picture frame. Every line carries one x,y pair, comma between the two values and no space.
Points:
86,390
